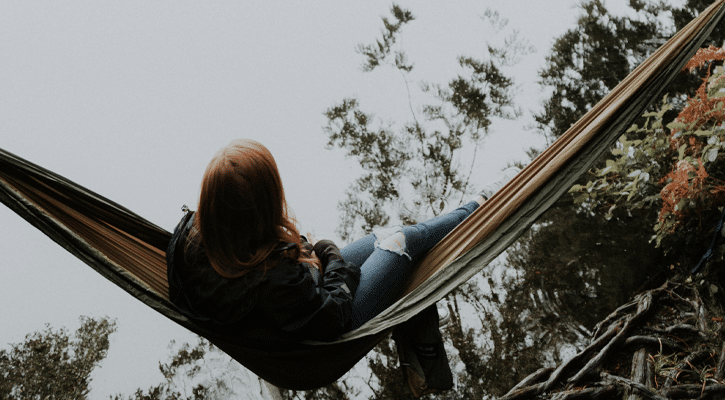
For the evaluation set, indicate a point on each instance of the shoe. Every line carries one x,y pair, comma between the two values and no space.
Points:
504,177
422,354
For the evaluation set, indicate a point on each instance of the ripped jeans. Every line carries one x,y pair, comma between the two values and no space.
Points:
386,260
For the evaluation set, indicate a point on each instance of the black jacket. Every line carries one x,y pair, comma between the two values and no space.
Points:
289,302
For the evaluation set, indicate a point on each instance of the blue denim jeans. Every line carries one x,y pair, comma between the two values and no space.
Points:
384,272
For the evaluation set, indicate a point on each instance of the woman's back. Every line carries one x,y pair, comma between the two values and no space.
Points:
286,303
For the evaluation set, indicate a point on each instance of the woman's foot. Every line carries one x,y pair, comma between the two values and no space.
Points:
504,177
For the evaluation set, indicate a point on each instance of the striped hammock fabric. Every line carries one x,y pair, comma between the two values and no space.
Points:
130,251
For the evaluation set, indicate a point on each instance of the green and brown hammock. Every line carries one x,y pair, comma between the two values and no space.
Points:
130,251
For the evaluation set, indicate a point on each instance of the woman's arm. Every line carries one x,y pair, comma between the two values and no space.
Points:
316,310
308,242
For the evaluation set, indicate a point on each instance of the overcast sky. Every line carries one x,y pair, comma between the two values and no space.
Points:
132,98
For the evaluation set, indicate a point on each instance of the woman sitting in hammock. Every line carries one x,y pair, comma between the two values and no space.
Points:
239,266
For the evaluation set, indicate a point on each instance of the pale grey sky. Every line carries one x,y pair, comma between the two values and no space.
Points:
132,98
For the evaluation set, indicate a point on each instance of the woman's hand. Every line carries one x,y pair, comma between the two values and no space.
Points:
311,238
315,260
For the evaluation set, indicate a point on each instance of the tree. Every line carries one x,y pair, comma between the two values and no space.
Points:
591,59
584,65
572,257
414,169
51,364
676,168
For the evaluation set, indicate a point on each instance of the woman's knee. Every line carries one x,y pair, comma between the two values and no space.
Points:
392,239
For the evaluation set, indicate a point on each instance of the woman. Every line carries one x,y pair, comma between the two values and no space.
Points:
239,266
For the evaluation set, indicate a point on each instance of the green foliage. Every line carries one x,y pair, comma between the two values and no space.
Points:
382,49
591,59
51,364
675,167
413,169
631,176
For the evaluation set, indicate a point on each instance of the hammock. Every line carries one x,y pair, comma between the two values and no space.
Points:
130,251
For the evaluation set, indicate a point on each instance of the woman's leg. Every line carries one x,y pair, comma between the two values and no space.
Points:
359,251
389,263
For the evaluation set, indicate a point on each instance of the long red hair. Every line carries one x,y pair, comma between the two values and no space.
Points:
242,214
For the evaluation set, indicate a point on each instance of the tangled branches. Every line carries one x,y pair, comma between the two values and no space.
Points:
661,345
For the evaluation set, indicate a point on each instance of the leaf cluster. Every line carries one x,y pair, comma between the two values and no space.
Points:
591,59
382,50
51,364
413,169
676,167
